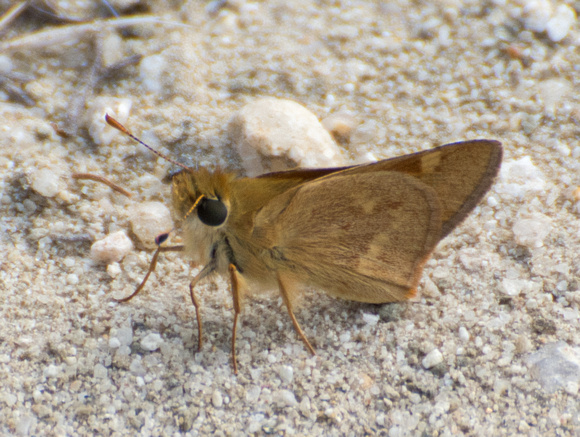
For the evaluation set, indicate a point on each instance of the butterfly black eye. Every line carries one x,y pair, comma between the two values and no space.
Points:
212,212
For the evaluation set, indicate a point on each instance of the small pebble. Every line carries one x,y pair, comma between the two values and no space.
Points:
125,336
100,371
380,419
285,398
151,70
136,367
555,366
531,232
151,342
112,248
72,279
430,289
536,14
561,22
371,319
553,91
10,399
286,374
51,371
253,393
148,220
520,178
45,182
217,399
432,359
114,269
463,333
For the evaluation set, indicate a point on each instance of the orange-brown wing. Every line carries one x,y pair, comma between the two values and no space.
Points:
360,236
460,173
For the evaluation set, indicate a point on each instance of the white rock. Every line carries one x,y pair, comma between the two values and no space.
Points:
286,374
561,22
72,279
217,399
520,178
125,336
463,333
552,91
114,343
148,220
151,342
112,248
536,14
370,319
492,201
51,371
380,419
253,393
10,399
285,398
282,132
556,365
114,269
45,182
151,70
514,287
532,231
430,289
100,371
432,359
136,367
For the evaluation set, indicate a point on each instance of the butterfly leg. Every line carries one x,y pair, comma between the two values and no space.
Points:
235,283
288,303
202,274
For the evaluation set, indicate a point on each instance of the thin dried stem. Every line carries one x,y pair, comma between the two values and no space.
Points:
102,179
69,33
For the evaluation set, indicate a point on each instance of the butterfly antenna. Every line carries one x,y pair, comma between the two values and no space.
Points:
114,123
162,238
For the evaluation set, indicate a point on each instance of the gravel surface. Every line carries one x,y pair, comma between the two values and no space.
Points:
490,347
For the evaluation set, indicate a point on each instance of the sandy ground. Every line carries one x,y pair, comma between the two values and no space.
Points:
498,313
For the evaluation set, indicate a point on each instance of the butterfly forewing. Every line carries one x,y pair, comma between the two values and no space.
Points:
460,173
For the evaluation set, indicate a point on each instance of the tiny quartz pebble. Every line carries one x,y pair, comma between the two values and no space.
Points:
560,23
217,399
112,248
45,182
151,342
150,219
432,359
285,398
